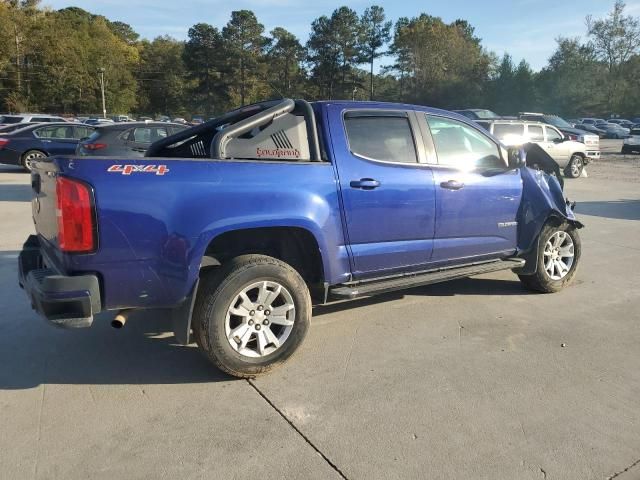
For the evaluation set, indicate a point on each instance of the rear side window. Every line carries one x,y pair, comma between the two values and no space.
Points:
535,133
82,132
509,132
57,132
461,146
148,134
385,138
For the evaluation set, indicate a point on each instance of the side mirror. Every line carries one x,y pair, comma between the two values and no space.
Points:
517,157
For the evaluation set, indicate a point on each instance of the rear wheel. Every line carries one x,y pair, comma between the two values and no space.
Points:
575,167
251,315
31,156
558,256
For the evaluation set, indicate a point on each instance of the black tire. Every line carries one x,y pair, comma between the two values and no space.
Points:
216,292
626,150
30,155
575,167
541,280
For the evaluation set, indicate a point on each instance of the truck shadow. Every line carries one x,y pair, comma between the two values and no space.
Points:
15,193
618,209
465,286
144,352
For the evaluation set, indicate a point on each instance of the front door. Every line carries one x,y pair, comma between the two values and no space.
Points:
477,196
387,192
555,146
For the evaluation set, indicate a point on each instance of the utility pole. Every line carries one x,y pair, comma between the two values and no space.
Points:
104,105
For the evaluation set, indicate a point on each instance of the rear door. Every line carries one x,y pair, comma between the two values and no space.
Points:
386,189
57,139
477,196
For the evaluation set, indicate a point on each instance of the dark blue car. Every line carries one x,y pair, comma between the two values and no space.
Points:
41,140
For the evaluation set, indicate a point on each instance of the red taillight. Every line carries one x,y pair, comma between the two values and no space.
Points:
76,232
94,146
3,142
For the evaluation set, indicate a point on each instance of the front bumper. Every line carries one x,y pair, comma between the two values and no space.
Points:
592,155
65,301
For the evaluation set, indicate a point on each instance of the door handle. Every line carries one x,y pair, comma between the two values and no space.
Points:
365,183
452,185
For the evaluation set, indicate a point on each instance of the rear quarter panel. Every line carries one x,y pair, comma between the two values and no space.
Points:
154,229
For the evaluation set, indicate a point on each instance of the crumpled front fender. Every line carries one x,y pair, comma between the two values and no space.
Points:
542,202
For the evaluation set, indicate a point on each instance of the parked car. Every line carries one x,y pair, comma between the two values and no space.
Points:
631,144
98,121
29,118
126,139
613,130
477,113
591,128
239,225
38,141
570,130
622,122
570,155
180,120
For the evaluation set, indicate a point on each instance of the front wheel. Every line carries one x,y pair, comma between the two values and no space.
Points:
251,315
575,167
559,252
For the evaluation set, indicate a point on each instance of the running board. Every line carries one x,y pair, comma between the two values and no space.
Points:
373,287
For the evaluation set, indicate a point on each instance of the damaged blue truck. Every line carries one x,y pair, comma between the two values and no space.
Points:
237,227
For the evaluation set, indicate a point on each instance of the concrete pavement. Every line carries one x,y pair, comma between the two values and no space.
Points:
461,380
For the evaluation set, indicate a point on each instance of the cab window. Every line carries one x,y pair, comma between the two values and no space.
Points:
461,146
387,138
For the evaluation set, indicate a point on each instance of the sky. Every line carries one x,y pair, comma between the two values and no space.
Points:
526,29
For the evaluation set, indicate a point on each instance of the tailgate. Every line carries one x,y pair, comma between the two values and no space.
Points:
43,202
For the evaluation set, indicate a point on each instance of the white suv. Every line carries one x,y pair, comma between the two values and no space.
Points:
29,118
570,155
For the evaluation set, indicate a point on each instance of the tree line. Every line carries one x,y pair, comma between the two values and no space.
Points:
49,61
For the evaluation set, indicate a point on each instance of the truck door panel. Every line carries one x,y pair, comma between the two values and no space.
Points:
477,197
387,194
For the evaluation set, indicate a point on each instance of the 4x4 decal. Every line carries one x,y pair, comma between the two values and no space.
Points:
129,169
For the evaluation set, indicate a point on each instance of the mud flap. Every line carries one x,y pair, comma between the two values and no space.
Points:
181,317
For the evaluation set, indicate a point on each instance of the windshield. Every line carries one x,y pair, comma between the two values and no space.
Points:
485,114
557,121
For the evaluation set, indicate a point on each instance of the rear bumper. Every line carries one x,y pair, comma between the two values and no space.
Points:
10,157
65,301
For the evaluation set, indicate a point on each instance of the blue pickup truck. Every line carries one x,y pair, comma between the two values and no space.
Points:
239,225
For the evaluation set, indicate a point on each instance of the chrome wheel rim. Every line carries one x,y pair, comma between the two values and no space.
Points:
559,253
260,319
576,166
28,159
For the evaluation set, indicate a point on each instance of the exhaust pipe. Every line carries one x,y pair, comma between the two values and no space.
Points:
120,319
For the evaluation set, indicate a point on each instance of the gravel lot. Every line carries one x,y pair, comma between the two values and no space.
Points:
466,380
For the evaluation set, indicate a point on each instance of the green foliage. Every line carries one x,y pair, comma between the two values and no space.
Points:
49,61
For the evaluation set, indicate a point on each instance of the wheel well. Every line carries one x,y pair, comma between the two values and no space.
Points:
294,246
34,150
